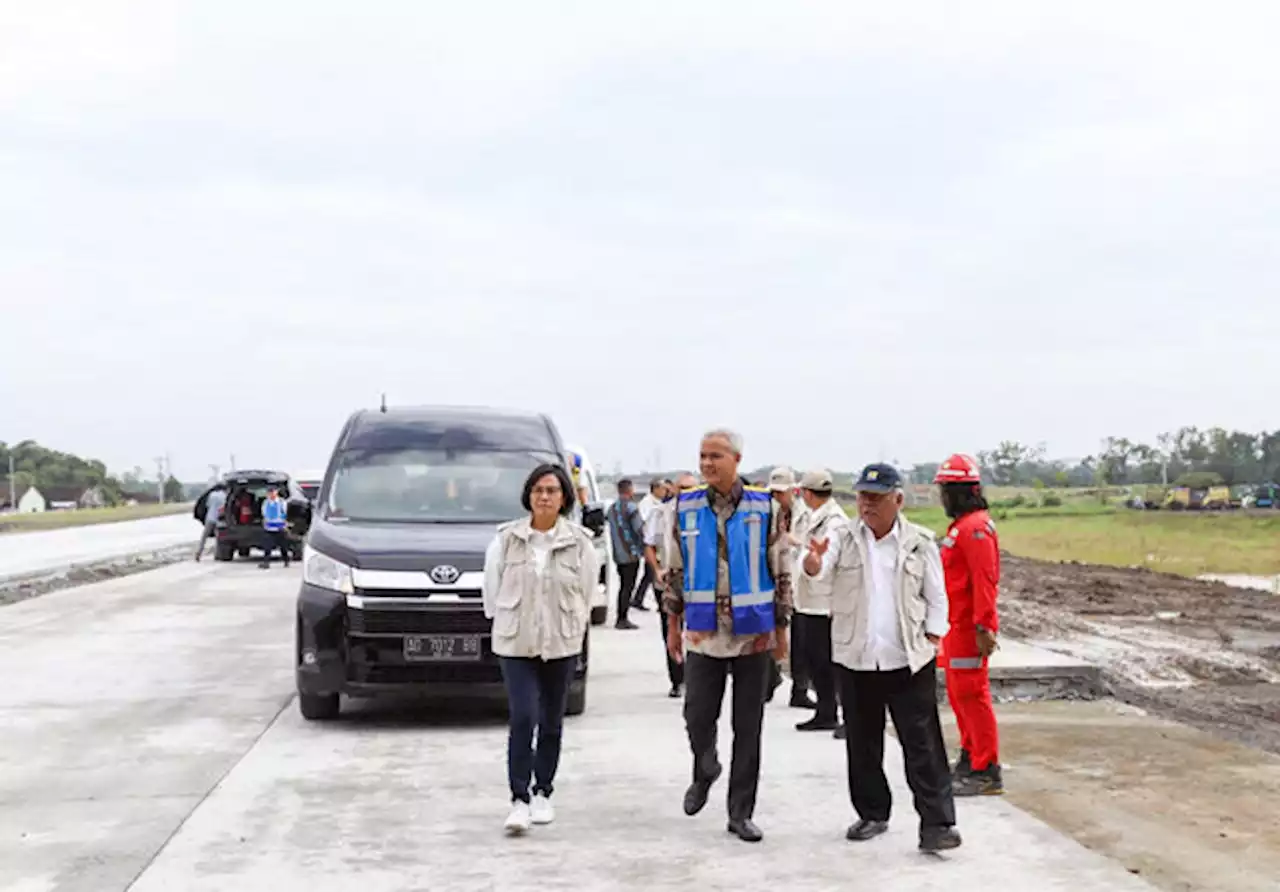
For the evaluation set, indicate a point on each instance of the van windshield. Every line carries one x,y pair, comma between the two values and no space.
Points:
430,485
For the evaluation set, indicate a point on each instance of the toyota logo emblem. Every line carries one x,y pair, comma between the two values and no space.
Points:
445,574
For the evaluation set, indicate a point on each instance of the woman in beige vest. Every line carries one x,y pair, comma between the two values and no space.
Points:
539,573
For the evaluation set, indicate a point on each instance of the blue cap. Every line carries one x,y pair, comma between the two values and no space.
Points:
878,478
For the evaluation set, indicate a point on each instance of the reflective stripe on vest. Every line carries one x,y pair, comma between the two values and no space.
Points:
747,544
964,662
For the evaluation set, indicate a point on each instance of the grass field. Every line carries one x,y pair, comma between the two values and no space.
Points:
52,520
1186,542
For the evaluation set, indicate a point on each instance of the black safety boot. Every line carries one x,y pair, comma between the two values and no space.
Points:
963,767
987,782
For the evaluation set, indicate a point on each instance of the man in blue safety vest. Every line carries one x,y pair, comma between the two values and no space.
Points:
275,520
729,581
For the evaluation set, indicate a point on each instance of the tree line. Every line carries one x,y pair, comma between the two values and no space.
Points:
1187,456
46,469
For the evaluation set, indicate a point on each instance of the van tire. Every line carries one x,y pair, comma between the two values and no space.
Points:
318,707
223,552
600,615
577,698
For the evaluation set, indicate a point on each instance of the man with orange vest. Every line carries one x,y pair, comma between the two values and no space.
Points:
971,565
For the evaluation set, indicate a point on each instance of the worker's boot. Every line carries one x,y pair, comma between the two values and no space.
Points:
987,782
963,767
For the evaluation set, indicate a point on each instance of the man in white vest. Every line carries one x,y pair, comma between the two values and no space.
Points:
888,614
811,622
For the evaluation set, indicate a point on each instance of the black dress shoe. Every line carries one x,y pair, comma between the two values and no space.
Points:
817,724
625,624
801,700
696,796
864,830
639,607
840,733
938,839
675,692
745,830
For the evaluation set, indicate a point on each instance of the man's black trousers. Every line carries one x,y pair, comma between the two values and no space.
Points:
913,705
811,659
675,671
704,681
626,584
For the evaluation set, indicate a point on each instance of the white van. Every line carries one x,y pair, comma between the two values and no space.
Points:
604,547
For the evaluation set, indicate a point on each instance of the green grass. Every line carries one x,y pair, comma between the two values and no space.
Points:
1187,543
52,520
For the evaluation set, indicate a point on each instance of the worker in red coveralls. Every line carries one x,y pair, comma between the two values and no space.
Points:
971,565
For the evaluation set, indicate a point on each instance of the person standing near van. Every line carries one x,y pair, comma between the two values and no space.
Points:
539,573
275,520
213,504
626,531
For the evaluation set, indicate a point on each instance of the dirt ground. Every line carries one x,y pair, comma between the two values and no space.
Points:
1203,653
1184,809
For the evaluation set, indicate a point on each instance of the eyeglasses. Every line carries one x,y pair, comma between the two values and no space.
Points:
546,491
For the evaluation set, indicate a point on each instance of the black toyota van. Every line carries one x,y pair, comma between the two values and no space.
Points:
393,566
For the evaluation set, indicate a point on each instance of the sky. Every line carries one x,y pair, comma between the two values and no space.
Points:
850,230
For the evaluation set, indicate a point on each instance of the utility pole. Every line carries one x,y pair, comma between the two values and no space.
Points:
215,469
13,501
233,461
160,478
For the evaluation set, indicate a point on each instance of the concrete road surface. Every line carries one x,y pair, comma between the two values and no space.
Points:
51,550
150,743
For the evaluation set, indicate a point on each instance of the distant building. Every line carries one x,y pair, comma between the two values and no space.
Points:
34,500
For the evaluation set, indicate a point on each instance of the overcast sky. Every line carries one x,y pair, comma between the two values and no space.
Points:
852,230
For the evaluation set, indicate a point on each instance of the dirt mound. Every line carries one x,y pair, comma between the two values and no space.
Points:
1200,652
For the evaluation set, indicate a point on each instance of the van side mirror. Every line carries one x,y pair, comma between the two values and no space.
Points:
593,518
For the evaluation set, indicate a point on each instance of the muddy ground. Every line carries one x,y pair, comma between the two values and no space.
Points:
1198,652
1184,809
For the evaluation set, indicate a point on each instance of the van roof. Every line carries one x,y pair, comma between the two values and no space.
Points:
463,427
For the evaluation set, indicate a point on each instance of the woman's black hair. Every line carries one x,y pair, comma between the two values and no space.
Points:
959,499
566,486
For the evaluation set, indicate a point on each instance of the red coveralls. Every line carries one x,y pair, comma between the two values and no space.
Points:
971,563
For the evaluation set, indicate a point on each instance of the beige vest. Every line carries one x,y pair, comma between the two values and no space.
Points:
542,616
850,636
813,596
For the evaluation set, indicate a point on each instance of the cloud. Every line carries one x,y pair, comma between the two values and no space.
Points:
933,227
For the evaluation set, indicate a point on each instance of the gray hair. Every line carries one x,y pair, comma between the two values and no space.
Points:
732,437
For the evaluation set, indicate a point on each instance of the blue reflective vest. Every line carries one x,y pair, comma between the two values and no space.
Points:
274,514
747,544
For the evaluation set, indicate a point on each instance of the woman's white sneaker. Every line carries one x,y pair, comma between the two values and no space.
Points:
520,818
542,811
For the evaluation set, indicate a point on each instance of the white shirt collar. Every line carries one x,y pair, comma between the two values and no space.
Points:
894,535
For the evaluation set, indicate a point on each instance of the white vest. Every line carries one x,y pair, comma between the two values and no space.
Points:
813,596
850,601
541,616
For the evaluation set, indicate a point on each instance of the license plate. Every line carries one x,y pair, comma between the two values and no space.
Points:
433,648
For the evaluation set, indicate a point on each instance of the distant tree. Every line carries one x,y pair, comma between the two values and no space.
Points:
173,491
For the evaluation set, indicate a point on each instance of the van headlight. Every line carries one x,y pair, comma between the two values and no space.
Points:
322,571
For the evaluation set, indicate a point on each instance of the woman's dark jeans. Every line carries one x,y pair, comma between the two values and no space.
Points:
537,693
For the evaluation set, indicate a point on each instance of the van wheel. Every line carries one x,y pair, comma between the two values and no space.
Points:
318,707
577,698
224,553
243,552
600,615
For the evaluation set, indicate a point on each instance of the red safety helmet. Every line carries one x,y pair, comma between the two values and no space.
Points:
959,468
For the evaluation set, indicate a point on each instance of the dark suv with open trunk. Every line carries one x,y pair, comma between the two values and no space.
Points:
394,564
240,524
